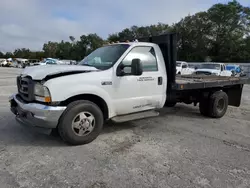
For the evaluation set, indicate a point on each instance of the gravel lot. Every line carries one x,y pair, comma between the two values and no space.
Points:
180,148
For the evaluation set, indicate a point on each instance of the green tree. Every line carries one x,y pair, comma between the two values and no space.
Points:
2,55
193,37
138,32
72,39
22,53
50,49
9,55
64,50
230,23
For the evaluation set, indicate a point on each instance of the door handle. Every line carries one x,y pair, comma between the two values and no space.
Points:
160,80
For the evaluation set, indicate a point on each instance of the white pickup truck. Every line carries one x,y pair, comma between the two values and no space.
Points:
118,82
3,62
218,69
49,61
182,68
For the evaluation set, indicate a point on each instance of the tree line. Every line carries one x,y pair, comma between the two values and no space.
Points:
222,34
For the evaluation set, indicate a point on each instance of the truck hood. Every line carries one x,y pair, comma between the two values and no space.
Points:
208,70
46,71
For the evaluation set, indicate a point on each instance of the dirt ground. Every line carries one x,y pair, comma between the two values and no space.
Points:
180,148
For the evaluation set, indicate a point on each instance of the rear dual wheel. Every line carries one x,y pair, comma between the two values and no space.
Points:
215,106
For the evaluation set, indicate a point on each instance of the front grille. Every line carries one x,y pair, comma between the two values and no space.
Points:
25,87
203,72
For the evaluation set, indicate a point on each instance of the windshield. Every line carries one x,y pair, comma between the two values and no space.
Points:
210,66
105,57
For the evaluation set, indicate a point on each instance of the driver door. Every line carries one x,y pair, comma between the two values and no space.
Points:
138,93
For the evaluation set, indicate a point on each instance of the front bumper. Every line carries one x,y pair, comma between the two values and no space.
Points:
34,114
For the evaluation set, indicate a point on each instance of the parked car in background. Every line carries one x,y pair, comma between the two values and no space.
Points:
20,63
236,70
32,62
68,62
49,61
183,68
3,62
9,62
73,62
218,69
194,66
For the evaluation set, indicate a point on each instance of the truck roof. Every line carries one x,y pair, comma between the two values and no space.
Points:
136,43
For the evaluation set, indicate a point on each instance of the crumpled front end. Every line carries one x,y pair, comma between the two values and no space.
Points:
35,114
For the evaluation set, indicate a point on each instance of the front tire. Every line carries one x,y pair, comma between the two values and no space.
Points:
81,123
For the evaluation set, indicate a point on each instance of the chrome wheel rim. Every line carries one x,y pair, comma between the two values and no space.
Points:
83,123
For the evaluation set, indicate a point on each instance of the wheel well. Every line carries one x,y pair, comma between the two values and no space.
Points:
90,97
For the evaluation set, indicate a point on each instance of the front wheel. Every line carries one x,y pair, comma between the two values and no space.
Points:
81,123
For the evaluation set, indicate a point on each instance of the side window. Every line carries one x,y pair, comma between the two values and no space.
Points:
145,54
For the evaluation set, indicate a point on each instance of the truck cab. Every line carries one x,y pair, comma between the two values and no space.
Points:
102,74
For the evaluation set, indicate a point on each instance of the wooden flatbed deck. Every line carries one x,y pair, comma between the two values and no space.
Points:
187,82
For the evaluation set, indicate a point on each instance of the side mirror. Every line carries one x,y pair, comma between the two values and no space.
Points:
135,68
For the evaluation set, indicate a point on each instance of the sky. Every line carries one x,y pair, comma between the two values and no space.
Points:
31,23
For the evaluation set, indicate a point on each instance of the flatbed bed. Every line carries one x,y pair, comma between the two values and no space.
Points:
207,90
188,82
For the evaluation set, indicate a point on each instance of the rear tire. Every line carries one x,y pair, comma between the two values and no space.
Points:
218,103
78,115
